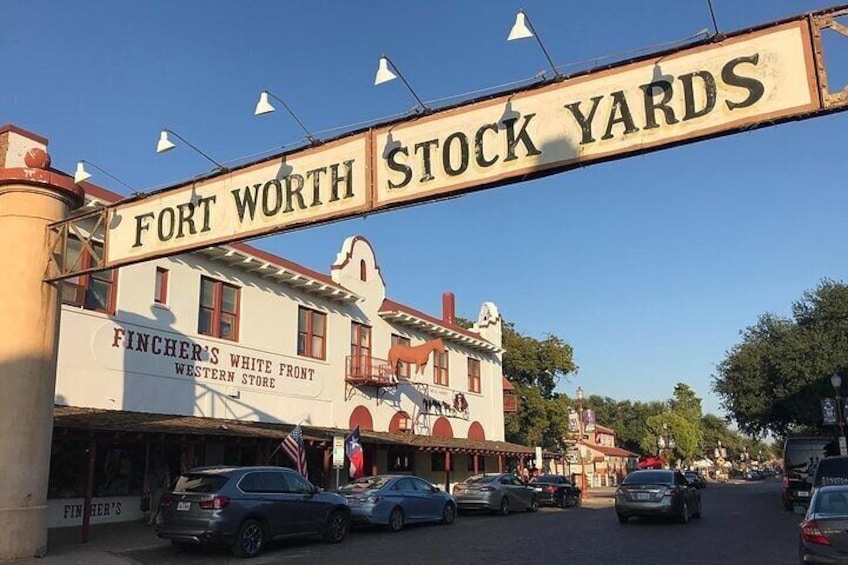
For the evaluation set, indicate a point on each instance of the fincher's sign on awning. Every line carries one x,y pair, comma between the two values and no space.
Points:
752,78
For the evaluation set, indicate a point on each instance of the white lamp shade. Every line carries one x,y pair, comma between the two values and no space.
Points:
836,380
383,72
520,29
81,174
263,106
164,143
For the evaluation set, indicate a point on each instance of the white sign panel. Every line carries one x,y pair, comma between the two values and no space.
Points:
338,452
64,512
657,102
304,188
137,349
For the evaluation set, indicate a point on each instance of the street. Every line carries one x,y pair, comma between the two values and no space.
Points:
742,523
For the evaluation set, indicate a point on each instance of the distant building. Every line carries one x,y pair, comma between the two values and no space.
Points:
604,464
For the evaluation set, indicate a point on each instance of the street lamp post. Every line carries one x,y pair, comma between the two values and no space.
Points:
580,440
836,381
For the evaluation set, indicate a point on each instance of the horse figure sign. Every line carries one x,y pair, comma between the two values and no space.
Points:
417,355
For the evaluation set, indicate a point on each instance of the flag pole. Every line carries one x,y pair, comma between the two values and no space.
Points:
273,453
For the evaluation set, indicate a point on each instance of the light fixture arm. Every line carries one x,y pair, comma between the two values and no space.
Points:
535,34
181,138
108,174
712,14
311,138
403,79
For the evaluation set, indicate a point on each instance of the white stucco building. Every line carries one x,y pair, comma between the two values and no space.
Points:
213,357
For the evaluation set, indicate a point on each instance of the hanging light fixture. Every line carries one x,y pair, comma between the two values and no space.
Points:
523,29
82,175
385,74
264,107
165,144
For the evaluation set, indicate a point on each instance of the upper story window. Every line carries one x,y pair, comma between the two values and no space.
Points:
160,292
219,309
403,366
440,369
92,291
360,349
311,333
363,271
473,375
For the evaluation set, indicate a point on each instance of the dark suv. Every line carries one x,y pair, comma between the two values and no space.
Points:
245,507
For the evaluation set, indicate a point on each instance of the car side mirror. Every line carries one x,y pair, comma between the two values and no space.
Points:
434,488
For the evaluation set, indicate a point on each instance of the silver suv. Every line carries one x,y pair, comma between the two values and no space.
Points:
245,507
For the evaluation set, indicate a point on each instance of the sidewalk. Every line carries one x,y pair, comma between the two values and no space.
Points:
104,542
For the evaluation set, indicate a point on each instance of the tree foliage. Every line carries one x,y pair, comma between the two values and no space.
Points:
537,363
535,367
774,379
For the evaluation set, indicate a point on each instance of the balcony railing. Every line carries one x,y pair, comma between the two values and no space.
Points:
366,370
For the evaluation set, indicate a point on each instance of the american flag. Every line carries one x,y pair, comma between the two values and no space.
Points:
293,446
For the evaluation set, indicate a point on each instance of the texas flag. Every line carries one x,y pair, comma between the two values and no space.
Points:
353,450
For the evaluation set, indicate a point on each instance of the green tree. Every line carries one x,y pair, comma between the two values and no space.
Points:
535,367
539,363
774,379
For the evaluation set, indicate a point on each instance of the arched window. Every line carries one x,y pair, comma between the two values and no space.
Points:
361,417
401,423
442,428
363,271
476,432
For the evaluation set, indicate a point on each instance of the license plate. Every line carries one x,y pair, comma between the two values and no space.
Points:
537,489
803,494
643,496
183,506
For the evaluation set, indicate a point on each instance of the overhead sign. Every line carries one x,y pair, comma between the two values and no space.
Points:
750,79
304,188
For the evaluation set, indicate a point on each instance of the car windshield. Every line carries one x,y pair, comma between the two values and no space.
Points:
200,483
478,479
366,483
649,478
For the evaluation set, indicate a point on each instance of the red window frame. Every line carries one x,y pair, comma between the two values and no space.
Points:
360,349
441,375
474,375
403,366
216,310
160,288
81,290
307,334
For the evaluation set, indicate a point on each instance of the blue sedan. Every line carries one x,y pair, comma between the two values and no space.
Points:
396,500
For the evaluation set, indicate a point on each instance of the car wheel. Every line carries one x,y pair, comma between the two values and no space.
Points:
337,527
788,506
563,502
448,514
182,545
534,505
396,519
684,515
697,513
579,500
250,539
622,518
504,510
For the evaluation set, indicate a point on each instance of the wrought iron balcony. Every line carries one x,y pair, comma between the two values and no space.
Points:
366,370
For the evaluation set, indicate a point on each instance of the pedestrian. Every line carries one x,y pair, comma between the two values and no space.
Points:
158,480
525,474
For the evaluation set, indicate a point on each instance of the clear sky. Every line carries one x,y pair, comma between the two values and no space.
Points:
649,266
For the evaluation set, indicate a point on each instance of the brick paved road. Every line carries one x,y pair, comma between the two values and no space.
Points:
742,524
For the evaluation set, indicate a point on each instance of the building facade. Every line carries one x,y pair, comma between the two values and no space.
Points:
212,357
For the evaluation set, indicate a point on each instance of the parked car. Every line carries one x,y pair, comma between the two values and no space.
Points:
754,475
246,507
823,532
556,490
498,492
830,471
657,492
695,479
396,500
800,455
